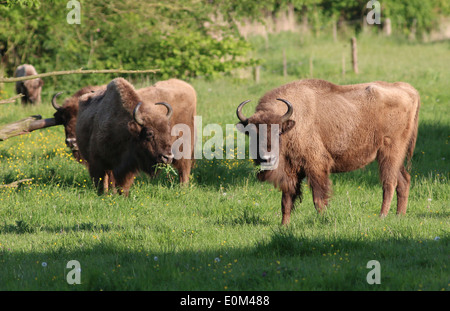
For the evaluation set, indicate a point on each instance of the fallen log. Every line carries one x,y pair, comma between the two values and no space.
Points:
25,126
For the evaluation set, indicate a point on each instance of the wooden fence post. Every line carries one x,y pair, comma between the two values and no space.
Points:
311,67
354,56
387,28
334,31
256,73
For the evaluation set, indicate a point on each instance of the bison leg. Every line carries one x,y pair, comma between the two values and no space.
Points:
97,175
106,183
125,182
109,182
389,173
183,166
289,197
403,184
287,202
320,186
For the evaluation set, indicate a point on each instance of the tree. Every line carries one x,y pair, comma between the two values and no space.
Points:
173,36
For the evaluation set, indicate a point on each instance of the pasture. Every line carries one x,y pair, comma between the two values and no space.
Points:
223,231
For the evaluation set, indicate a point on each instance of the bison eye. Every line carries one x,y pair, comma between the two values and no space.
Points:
149,134
146,134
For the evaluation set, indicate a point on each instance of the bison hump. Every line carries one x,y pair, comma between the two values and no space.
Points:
125,91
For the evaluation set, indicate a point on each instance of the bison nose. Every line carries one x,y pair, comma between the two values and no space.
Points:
167,158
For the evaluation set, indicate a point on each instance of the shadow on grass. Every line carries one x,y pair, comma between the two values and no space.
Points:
277,262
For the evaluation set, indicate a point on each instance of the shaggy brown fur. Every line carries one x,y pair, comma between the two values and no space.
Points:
31,89
339,129
110,139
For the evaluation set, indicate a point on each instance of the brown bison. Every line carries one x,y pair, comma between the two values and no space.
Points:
127,131
329,128
31,89
66,115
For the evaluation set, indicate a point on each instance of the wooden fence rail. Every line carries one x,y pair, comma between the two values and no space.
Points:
77,71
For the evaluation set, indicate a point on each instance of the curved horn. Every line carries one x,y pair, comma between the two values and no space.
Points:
239,113
169,109
54,104
137,115
288,114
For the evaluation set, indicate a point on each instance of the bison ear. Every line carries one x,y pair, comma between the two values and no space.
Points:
287,126
41,82
134,128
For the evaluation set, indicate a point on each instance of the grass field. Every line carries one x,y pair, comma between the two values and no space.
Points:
223,231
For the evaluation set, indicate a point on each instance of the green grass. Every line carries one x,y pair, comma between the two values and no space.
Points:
223,231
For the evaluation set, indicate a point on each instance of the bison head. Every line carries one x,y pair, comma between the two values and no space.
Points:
267,128
151,132
67,116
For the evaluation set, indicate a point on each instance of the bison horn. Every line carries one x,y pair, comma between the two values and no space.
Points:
169,109
239,114
288,114
54,104
137,115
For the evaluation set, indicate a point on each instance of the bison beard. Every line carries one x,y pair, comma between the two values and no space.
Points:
332,129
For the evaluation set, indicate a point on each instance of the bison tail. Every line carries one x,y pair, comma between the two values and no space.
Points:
413,139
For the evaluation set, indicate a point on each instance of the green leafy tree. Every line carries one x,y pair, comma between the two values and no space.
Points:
174,36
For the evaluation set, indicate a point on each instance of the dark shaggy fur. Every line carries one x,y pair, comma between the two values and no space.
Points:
109,138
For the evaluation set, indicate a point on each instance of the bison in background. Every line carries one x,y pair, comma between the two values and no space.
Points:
66,115
127,131
330,128
31,89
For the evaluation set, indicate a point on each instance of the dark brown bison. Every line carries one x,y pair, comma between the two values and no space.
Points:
66,115
31,89
327,128
128,131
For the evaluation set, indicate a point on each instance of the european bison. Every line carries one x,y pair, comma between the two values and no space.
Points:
330,128
31,89
128,131
66,115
